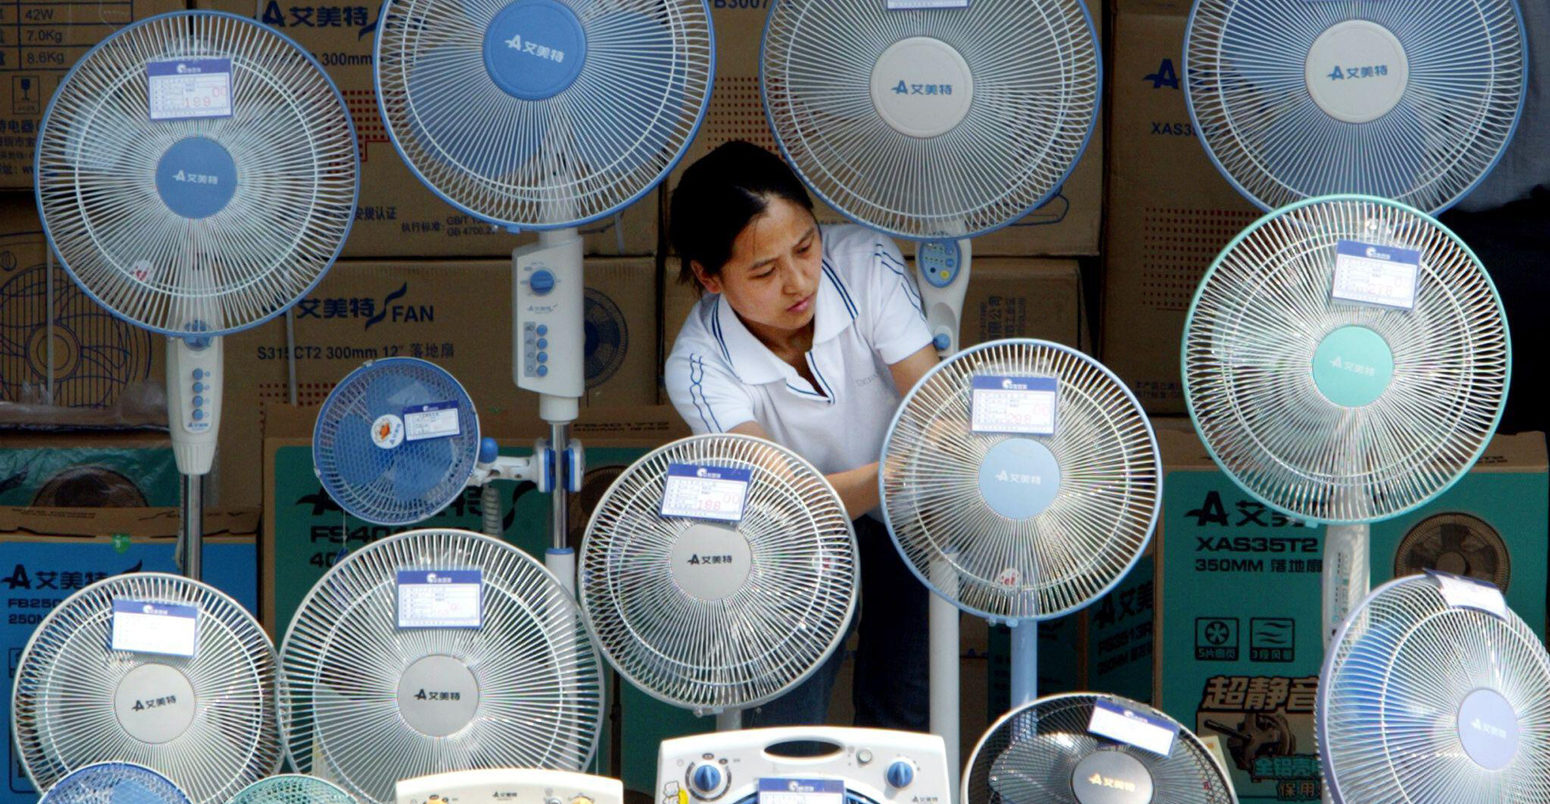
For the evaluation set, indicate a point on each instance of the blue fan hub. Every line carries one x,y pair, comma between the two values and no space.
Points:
1353,366
196,177
1488,728
1111,777
534,49
1019,478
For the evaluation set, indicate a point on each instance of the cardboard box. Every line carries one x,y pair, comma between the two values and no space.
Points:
88,470
46,554
39,43
1169,211
397,215
1238,607
1066,225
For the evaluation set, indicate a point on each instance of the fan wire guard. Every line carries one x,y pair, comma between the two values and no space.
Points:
294,151
762,638
1391,691
538,678
292,788
1093,531
1258,318
115,782
1032,752
1247,87
1036,76
64,714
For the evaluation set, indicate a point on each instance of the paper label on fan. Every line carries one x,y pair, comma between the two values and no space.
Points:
1372,274
440,598
1146,732
705,492
906,5
801,791
189,89
434,420
1462,592
142,626
1014,405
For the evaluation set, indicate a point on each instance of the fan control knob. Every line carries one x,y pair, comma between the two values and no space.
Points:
901,773
941,340
541,282
707,782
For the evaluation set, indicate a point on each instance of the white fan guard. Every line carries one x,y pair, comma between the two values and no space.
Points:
1262,364
209,722
716,616
1031,526
523,690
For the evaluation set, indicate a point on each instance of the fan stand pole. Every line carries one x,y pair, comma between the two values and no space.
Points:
942,641
1025,663
190,547
729,720
1347,575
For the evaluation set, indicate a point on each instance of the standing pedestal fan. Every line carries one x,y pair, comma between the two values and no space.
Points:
718,572
196,174
934,122
544,115
1410,101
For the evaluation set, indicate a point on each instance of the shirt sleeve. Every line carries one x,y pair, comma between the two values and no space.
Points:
706,393
896,317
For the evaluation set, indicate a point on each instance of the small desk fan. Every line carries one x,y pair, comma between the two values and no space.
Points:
1410,101
725,609
154,669
1092,749
1435,691
1346,360
114,783
437,650
196,174
292,788
544,115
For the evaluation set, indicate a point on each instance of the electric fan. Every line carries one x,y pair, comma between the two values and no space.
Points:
292,788
1020,481
545,115
1410,101
155,669
437,650
398,440
488,786
196,174
1435,691
1092,749
114,783
1345,360
718,572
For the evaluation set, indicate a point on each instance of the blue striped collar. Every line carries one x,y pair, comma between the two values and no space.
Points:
753,362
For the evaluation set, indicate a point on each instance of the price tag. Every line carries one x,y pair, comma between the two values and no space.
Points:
144,626
440,598
1014,405
705,492
906,5
189,89
1470,593
801,791
1124,725
434,420
1372,274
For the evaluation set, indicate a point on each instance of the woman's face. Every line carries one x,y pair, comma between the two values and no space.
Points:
771,280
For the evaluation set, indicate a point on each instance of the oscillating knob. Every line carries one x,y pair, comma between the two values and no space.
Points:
707,782
901,774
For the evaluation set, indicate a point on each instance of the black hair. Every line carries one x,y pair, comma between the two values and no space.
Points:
717,197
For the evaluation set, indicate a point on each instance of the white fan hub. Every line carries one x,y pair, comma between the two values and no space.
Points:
922,87
1488,729
1353,366
711,562
1019,478
155,703
196,177
438,695
1110,777
1371,67
534,49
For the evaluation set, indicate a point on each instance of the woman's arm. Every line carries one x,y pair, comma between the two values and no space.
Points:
857,487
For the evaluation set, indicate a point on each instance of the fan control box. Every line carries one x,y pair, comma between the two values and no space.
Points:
194,401
548,302
510,786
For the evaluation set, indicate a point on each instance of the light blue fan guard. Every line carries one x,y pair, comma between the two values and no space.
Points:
368,454
543,114
1414,101
292,788
114,783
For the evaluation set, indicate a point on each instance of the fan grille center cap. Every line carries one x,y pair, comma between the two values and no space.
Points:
710,562
1356,71
196,177
1353,366
438,695
922,87
154,703
1488,728
1111,777
534,49
1019,478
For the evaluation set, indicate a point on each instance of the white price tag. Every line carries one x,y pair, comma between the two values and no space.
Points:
1014,405
189,89
145,626
1464,592
1372,274
1124,725
906,5
705,492
434,420
801,791
440,598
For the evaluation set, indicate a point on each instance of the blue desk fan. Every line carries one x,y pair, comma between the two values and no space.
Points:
114,783
544,115
196,175
1414,101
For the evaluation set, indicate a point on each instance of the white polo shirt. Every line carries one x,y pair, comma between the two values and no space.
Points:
867,316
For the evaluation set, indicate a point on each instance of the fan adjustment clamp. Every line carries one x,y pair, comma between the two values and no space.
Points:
494,466
707,781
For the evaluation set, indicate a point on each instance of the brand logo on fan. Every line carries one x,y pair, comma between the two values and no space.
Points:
431,577
1353,367
1485,728
1019,477
437,695
797,787
903,88
697,559
1099,780
154,703
1009,384
1375,253
149,609
188,69
1367,71
707,474
189,177
534,49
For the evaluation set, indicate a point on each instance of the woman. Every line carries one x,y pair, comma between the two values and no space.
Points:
809,338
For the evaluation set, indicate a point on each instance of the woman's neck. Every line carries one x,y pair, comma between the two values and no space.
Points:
788,344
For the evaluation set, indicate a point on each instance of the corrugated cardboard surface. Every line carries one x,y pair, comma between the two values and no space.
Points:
88,469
